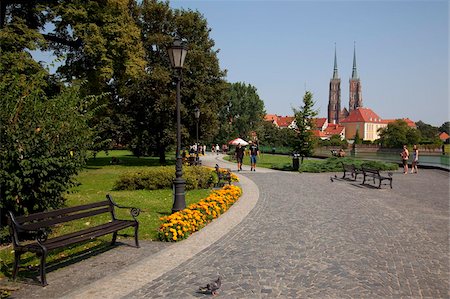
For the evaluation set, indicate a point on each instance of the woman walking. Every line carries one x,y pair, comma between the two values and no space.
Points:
415,160
405,156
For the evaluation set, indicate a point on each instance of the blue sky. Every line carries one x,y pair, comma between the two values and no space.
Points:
282,46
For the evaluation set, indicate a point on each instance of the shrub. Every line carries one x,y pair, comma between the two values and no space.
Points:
334,164
162,177
181,224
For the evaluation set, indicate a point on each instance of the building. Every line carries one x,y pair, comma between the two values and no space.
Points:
281,121
365,122
355,95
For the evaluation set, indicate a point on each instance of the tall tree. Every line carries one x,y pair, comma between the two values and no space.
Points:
244,112
151,99
428,132
445,127
305,141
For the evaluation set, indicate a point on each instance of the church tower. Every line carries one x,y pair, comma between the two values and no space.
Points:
334,99
355,100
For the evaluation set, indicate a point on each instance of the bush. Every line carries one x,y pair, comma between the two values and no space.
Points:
162,178
334,164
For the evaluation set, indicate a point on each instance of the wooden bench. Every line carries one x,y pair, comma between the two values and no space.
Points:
224,176
352,170
375,174
39,225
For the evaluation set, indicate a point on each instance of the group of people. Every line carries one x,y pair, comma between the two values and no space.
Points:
253,153
405,157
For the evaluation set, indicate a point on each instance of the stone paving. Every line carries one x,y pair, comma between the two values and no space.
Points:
309,237
306,237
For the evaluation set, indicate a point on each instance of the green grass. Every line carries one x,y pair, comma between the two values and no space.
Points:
267,160
95,182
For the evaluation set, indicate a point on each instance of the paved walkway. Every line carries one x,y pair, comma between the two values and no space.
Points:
298,235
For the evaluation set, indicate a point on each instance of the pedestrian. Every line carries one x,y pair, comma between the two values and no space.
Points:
254,153
405,156
204,149
415,159
213,148
239,156
217,149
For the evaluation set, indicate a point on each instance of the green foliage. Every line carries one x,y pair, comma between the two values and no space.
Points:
334,164
162,177
305,141
44,142
397,134
335,140
243,113
357,139
445,127
429,134
271,136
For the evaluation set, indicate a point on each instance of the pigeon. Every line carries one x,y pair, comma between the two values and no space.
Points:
212,287
331,179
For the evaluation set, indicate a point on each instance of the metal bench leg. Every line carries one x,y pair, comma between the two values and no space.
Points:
136,239
42,268
16,264
113,241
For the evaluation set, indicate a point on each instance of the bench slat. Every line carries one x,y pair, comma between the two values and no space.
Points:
55,213
65,218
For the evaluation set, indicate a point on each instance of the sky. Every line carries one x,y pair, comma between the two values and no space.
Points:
286,47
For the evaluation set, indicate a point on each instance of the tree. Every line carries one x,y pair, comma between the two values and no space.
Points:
445,127
429,133
397,134
244,112
150,99
305,141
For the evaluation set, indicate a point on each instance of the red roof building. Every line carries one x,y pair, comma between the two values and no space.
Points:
409,122
444,136
365,122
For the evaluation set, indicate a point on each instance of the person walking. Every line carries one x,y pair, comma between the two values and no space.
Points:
415,159
405,156
239,156
217,149
254,153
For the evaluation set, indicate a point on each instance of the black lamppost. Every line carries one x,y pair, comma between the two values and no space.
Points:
177,53
197,117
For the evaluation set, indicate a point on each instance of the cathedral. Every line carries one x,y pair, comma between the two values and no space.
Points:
335,114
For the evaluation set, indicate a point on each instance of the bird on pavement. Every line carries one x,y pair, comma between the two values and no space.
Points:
212,287
331,179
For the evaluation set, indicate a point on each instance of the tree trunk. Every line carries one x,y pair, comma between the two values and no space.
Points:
162,154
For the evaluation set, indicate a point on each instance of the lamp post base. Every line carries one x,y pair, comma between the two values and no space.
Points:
179,200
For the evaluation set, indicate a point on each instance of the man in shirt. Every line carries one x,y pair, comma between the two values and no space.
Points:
254,152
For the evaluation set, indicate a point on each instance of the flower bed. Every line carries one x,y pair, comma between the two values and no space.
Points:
180,225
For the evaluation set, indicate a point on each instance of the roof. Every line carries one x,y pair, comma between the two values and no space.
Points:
285,121
319,134
270,117
319,122
361,114
444,136
409,122
334,129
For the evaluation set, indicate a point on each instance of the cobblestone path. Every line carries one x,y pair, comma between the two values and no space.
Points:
309,237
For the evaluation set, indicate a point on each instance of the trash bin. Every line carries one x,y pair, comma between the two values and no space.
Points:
295,161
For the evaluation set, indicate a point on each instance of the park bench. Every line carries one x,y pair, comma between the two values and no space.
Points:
39,225
375,174
352,170
224,176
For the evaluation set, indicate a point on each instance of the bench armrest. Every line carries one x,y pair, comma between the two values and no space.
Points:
41,234
134,212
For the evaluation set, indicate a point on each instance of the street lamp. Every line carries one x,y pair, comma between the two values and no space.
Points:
177,53
197,117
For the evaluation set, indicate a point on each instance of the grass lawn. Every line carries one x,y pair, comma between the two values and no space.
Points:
266,160
95,182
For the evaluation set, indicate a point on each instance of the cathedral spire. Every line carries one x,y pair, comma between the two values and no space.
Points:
354,72
335,71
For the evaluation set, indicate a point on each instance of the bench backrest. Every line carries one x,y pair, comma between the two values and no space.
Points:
370,170
50,218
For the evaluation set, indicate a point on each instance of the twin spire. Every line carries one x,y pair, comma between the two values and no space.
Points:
354,70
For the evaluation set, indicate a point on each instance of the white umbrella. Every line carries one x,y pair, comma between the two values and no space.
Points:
238,141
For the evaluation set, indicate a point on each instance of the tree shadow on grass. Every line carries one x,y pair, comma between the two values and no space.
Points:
128,160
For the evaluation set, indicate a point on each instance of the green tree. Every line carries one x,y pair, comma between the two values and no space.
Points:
150,100
398,133
429,133
305,141
445,127
244,112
